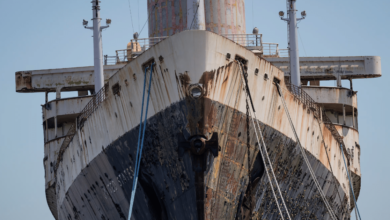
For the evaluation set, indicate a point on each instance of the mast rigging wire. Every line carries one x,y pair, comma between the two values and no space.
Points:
147,19
299,34
131,17
138,14
194,16
253,18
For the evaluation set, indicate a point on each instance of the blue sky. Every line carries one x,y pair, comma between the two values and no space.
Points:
43,34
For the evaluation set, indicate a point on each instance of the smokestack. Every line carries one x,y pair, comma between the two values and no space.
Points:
173,16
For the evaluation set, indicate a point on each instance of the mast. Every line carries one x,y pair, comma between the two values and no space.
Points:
292,19
97,44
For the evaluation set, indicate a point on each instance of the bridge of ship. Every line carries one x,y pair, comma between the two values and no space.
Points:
339,104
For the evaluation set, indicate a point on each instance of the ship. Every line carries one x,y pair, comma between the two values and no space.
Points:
201,121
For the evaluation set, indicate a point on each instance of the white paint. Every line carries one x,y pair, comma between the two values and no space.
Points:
293,45
326,68
66,107
71,79
97,45
331,95
191,52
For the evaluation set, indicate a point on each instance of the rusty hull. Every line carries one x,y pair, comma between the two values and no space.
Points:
95,172
104,185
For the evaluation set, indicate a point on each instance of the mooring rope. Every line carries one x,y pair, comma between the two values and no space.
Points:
330,165
248,145
330,210
253,116
140,140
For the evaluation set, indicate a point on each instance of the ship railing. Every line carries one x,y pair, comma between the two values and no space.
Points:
92,105
121,56
110,60
142,44
134,48
318,112
283,52
250,41
271,50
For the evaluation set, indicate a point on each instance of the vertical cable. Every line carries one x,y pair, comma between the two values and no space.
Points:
248,97
249,158
350,182
138,14
140,139
330,210
131,17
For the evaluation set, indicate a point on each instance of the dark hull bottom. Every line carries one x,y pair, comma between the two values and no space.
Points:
167,186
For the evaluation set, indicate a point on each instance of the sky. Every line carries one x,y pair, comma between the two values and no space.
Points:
45,34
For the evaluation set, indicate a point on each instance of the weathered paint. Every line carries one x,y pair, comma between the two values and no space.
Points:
67,79
332,95
328,68
80,78
225,17
351,141
167,17
334,99
220,111
65,107
195,11
167,180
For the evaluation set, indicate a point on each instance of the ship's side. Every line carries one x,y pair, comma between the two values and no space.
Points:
89,173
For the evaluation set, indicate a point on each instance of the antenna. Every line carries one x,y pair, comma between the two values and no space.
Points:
97,44
292,19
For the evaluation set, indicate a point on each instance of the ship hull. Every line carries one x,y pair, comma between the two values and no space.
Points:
94,169
167,180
